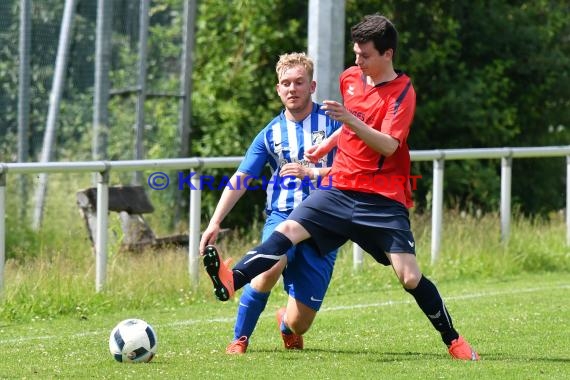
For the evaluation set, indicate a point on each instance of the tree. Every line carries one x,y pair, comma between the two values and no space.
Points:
238,44
487,74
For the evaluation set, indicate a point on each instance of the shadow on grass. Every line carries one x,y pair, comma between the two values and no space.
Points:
383,356
501,357
375,355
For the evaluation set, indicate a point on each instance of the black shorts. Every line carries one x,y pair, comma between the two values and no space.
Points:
379,225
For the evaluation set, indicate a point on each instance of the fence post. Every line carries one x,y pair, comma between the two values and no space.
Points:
506,174
437,208
568,201
102,83
2,228
101,233
325,39
357,259
194,229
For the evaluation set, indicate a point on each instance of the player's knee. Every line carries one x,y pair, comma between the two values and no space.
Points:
293,231
299,321
286,228
410,280
299,326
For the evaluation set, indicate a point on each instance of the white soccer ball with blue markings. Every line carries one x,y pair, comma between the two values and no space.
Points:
133,341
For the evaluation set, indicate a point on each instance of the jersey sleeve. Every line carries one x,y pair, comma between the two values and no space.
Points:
256,156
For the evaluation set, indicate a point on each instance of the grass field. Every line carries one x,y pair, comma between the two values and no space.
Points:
511,301
519,325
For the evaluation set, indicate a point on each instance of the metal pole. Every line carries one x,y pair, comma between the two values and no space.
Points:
357,257
24,98
326,46
101,85
55,100
141,85
568,201
185,104
506,174
437,208
2,229
101,233
194,230
186,73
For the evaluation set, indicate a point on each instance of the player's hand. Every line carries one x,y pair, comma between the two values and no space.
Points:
209,236
314,153
294,169
337,111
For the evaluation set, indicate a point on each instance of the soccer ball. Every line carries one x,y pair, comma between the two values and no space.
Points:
133,341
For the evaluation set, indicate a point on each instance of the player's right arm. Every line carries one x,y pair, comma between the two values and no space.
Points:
232,193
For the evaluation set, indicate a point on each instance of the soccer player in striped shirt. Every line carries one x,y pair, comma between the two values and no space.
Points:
281,145
364,204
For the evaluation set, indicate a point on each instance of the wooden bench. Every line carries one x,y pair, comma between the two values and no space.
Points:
131,202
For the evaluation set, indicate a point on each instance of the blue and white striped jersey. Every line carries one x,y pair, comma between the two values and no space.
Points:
283,141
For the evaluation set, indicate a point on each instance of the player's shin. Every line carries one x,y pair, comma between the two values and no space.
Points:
261,258
251,305
429,300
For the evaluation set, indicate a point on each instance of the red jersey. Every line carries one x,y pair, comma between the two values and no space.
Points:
389,108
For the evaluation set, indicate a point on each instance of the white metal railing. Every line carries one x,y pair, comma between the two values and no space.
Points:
104,168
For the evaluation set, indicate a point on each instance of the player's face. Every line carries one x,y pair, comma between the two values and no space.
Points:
370,61
295,88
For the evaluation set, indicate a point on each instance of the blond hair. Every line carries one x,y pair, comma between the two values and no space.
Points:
287,61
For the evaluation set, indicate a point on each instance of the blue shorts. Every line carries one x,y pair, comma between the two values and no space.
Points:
308,274
379,225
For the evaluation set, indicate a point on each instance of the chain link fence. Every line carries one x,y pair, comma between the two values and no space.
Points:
143,94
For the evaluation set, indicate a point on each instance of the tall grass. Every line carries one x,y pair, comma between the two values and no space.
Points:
51,273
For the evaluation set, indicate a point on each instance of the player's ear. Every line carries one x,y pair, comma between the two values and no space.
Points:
313,86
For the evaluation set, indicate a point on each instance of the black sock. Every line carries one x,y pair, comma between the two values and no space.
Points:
260,258
429,300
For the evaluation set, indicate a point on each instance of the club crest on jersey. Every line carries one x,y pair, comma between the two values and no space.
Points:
317,137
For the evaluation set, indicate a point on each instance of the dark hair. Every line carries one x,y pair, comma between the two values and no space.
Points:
378,29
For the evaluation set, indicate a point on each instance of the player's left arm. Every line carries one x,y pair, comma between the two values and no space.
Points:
380,142
394,129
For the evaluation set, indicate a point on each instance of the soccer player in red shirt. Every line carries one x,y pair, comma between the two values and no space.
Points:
369,194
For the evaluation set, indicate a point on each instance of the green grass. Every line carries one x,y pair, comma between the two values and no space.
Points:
60,279
509,300
520,325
